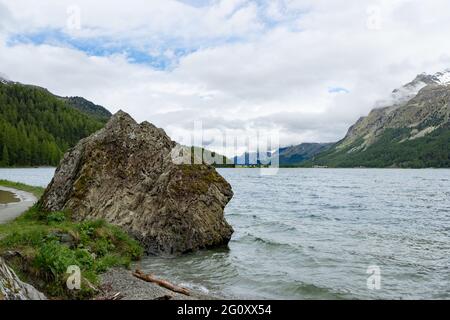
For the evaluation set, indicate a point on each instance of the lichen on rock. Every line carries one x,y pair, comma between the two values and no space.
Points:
125,175
12,288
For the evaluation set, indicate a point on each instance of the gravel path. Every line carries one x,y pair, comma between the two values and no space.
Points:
11,211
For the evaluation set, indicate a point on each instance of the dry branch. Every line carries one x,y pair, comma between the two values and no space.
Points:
162,283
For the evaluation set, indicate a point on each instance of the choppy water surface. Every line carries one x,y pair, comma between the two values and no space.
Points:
312,234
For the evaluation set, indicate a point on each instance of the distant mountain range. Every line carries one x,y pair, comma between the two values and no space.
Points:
410,128
296,155
291,156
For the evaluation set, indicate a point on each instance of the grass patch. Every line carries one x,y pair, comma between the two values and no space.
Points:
37,191
48,243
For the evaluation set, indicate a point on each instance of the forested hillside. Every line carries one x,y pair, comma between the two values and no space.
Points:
392,149
36,127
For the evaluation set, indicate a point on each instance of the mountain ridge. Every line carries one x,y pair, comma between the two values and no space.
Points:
413,123
88,107
77,102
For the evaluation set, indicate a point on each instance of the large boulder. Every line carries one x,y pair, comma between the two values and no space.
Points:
12,288
125,174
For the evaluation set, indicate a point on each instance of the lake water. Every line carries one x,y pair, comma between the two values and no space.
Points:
40,177
313,234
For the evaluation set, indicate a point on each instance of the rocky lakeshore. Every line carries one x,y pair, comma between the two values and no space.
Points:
121,283
118,283
115,195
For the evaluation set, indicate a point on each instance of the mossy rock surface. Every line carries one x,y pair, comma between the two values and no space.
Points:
125,175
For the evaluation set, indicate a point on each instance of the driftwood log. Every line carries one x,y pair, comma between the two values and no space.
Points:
162,283
111,296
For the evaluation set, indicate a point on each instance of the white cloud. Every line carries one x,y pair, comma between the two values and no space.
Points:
255,65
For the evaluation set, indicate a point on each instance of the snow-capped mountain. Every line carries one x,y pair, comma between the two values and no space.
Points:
443,78
419,106
414,131
411,89
3,80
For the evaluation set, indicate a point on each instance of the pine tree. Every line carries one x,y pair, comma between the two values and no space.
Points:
5,156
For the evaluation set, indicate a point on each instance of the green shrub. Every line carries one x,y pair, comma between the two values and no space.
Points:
110,260
54,258
51,242
56,217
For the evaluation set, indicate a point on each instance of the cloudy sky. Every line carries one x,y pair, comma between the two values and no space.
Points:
306,69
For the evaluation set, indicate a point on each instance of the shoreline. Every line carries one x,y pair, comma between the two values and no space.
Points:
120,281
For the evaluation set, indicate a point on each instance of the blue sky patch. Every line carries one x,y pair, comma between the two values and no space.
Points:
159,53
337,90
197,3
104,47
